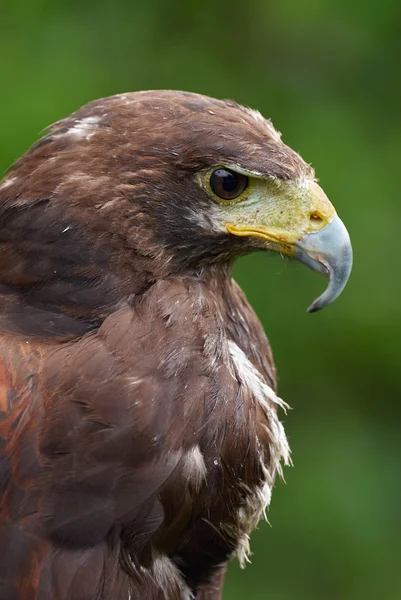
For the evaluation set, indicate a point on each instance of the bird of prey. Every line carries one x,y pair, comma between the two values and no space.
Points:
139,435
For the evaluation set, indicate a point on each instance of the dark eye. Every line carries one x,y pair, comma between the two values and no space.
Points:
227,184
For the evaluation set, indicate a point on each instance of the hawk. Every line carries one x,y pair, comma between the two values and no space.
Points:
139,435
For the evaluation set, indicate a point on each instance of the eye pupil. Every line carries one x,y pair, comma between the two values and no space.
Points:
230,182
227,184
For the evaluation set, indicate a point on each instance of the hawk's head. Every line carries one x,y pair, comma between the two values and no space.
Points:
141,185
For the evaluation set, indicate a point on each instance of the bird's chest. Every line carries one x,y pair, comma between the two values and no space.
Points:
224,480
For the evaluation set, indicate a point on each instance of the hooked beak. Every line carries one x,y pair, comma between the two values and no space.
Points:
298,220
329,252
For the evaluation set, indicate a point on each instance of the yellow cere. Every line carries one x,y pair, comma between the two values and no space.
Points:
278,211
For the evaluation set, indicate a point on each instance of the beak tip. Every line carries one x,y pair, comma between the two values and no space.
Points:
334,245
317,305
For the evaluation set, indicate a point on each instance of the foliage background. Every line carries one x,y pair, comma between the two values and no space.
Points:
328,74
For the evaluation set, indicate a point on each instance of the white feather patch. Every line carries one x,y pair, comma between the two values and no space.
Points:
84,128
7,182
251,377
259,498
194,469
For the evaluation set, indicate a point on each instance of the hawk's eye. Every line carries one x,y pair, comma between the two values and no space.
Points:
227,184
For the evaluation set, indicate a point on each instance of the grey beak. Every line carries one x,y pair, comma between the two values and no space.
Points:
329,252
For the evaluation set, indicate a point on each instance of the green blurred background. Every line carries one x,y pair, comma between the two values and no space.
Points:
328,74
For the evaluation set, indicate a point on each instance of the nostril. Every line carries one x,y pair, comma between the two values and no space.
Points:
315,217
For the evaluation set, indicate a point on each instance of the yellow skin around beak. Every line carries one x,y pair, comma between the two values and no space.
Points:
297,219
281,212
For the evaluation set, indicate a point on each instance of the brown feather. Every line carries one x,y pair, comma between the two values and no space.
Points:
132,452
